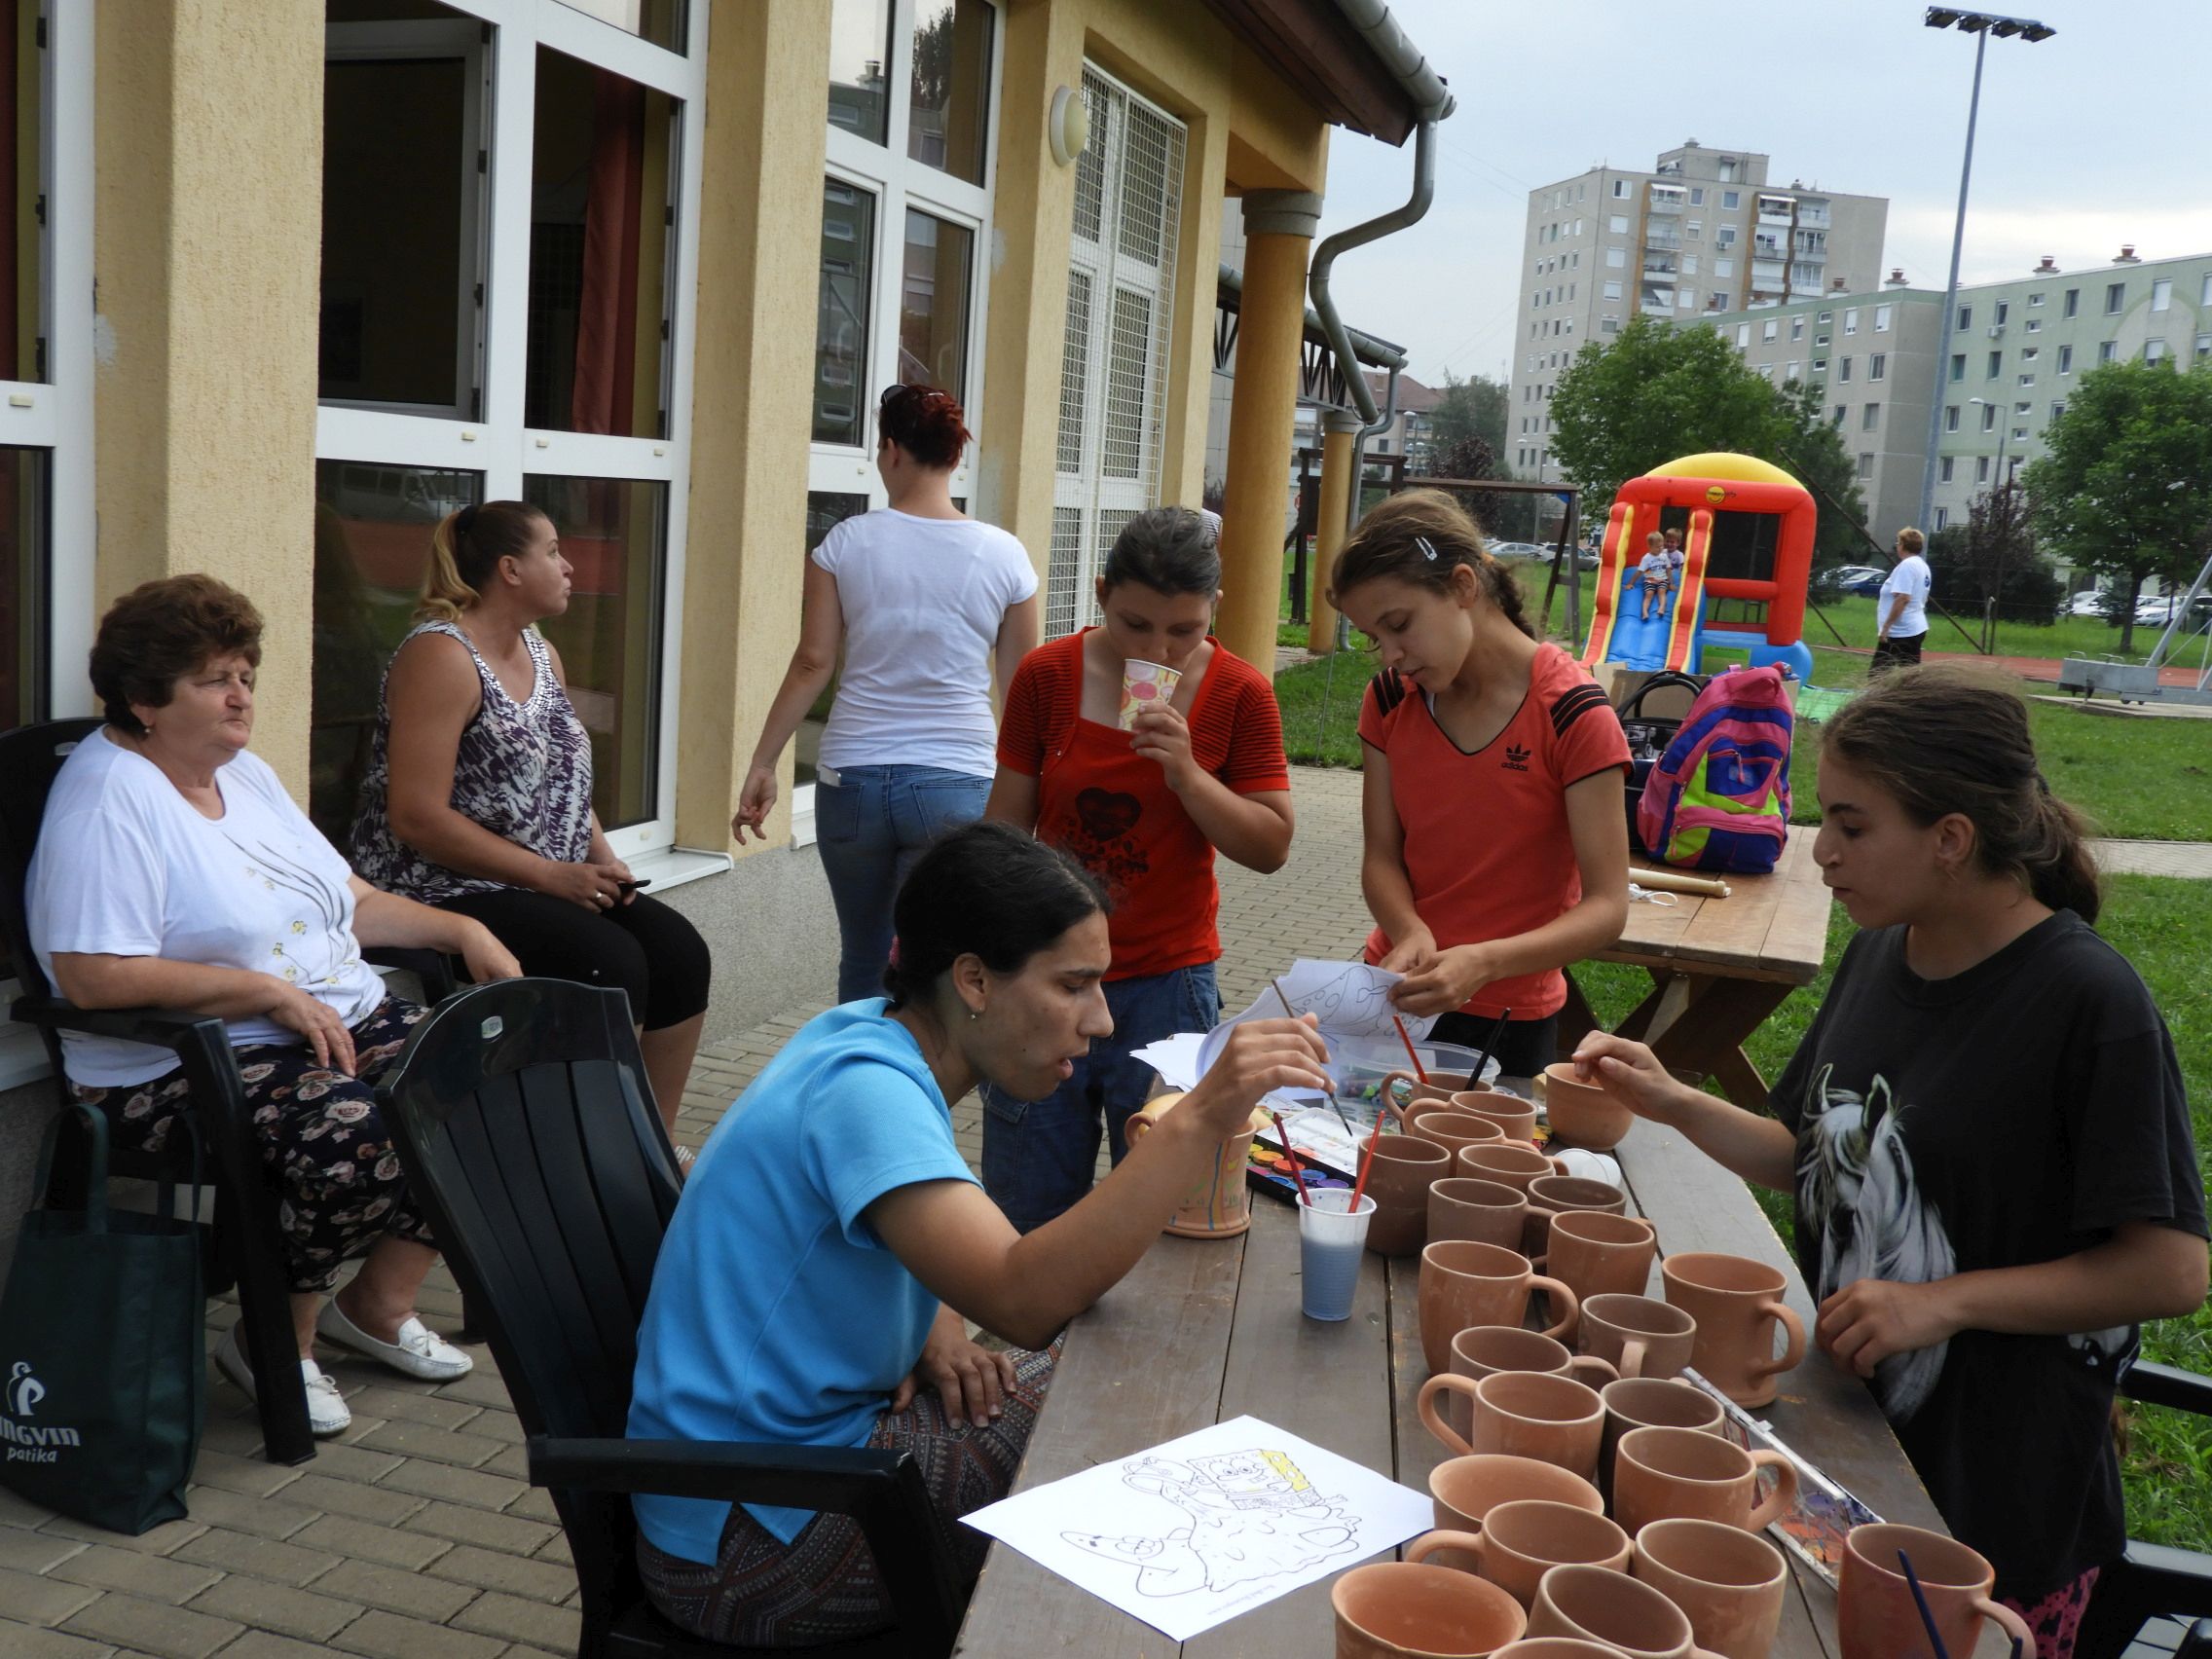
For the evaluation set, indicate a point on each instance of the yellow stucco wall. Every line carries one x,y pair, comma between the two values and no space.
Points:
207,222
760,255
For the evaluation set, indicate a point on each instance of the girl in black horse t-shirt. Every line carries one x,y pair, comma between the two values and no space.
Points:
1984,1129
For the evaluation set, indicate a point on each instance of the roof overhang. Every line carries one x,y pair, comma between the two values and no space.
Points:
1335,64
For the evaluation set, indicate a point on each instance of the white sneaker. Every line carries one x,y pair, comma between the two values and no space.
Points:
419,1353
327,1413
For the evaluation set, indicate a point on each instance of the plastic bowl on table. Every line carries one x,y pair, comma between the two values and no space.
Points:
1360,1066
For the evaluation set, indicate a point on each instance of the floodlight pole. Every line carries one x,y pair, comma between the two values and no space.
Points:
1927,522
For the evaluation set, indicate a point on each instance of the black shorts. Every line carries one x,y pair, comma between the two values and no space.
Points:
1895,652
647,948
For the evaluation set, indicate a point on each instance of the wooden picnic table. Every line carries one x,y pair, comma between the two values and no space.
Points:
1204,1330
1718,967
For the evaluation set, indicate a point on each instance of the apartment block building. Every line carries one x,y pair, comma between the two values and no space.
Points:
2017,348
1701,232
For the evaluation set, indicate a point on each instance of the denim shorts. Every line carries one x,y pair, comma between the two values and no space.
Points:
1040,1156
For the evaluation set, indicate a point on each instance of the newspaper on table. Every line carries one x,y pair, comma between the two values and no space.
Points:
1196,1530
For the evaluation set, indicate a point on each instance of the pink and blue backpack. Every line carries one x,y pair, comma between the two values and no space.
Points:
1719,799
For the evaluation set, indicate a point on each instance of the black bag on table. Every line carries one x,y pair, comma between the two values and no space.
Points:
102,1364
1648,738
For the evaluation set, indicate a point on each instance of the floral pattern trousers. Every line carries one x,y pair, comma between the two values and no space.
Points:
323,1146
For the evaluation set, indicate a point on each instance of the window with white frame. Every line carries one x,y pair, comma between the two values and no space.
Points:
1620,187
1129,211
1616,258
1882,315
1943,517
1871,416
503,318
1851,321
2161,294
1946,468
1617,224
1951,418
1878,366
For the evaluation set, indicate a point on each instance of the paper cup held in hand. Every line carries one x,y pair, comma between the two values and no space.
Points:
1145,685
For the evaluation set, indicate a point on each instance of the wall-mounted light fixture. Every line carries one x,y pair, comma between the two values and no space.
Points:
1068,126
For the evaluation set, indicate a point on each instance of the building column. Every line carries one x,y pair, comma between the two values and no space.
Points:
207,215
1278,229
760,256
1339,428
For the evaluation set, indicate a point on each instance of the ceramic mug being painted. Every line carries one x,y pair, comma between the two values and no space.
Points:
1218,1204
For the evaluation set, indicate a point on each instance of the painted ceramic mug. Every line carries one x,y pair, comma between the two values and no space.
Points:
1730,1583
1217,1203
1737,1303
1662,1474
1410,1609
1464,1284
1875,1614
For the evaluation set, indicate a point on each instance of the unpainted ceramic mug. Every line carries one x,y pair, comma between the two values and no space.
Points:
1523,1540
1464,1284
1730,1583
1621,1614
1412,1609
1662,1474
1641,1335
1737,1303
1875,1614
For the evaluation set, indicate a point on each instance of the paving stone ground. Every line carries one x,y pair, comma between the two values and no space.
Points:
415,1536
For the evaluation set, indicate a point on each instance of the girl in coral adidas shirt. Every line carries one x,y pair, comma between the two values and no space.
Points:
1496,846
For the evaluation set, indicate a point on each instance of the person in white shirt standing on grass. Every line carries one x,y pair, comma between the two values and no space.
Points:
1900,608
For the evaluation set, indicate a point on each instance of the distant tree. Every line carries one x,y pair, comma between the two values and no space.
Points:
1993,555
1471,457
1810,449
1472,408
2124,487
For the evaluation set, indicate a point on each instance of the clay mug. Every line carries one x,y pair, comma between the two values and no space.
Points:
1875,1614
1555,1194
1515,1117
1485,1211
1650,1402
1453,1131
1217,1203
1737,1303
1465,1283
1466,1489
1508,1163
1556,1647
1619,1613
1730,1583
1484,1350
1398,1180
1410,1609
1583,1114
1660,1474
1643,1335
1593,1253
1523,1414
1523,1540
1418,1096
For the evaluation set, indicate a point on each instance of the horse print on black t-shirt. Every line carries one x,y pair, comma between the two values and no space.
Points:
1856,1187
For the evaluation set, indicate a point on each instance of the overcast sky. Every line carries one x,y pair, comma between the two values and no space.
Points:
2093,139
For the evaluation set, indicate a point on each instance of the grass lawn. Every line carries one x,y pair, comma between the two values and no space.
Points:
2160,924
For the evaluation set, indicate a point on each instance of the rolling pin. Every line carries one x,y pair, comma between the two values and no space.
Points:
1675,881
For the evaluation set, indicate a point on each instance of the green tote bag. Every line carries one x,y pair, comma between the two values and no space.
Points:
101,1359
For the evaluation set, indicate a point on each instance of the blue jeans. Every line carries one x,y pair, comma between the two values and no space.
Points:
1039,1157
870,826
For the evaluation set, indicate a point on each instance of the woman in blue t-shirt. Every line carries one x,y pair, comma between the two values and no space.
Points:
815,1281
1984,1129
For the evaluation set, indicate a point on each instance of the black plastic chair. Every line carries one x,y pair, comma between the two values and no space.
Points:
521,1111
243,1244
2152,1581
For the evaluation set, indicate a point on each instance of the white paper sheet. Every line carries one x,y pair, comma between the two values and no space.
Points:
1193,1532
1351,999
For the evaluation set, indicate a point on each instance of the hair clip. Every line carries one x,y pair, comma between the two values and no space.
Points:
464,520
1428,548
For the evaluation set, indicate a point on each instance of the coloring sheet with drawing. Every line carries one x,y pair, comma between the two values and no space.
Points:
1201,1529
1352,1001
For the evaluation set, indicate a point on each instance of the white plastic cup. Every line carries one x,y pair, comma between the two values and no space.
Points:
1332,1239
1145,685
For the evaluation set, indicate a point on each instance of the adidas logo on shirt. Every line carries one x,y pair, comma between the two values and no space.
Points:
1516,759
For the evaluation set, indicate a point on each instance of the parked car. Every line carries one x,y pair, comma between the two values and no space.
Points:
1864,579
1517,550
2161,609
2092,602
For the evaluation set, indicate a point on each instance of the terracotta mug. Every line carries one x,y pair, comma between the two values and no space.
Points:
1515,1117
1465,1490
1875,1614
1556,1647
1418,1096
1410,1609
1485,1211
1730,1583
1523,1414
1593,1253
1583,1114
1398,1181
1453,1131
1217,1203
1523,1540
1619,1613
1484,1350
1737,1303
1508,1163
1660,1474
1650,1402
1465,1283
1643,1335
1554,1195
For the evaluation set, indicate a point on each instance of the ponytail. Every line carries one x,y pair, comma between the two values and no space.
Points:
465,549
1421,536
1945,739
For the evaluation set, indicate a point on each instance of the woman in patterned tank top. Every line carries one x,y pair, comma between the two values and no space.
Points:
478,793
